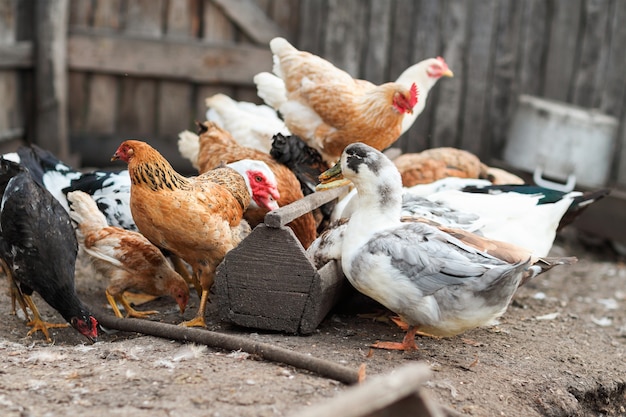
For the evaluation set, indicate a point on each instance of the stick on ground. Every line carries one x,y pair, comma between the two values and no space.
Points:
228,342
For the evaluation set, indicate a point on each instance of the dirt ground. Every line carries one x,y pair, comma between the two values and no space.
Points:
558,351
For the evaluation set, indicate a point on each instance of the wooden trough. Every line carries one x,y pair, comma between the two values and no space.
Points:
269,283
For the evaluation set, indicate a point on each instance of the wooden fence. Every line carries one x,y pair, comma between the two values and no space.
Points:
78,76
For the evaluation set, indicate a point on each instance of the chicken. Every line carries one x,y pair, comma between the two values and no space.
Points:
437,163
307,164
251,125
38,248
329,109
109,189
199,219
126,258
424,74
215,146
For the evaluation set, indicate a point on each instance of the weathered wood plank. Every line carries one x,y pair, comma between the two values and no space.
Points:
137,112
614,88
273,294
102,90
16,55
182,19
285,13
313,14
251,19
534,33
174,109
395,394
504,83
447,116
283,215
51,130
10,108
190,60
216,26
403,15
144,17
593,48
427,44
137,108
614,78
107,14
561,53
475,108
175,99
77,109
102,103
376,55
345,34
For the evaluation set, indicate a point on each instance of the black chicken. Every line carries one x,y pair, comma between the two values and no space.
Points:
307,164
38,248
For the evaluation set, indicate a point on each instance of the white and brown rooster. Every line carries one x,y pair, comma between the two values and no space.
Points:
425,74
329,109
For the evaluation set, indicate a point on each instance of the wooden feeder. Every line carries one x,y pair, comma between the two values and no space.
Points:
268,282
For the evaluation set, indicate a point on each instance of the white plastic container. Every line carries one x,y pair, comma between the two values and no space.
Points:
561,141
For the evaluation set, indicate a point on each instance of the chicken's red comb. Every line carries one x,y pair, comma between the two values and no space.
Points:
444,64
414,94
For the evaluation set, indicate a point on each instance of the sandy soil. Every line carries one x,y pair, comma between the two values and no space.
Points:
558,351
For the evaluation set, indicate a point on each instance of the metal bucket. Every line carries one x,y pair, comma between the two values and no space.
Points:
561,141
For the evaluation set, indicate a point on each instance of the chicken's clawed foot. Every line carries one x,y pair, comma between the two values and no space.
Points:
130,311
199,321
37,323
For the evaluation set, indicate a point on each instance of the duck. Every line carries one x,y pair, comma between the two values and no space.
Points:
437,280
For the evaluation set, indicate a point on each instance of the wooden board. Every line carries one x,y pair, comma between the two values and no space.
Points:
189,61
268,282
561,53
479,71
503,87
51,128
447,117
398,393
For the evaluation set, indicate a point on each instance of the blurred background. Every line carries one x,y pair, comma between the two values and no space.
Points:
79,76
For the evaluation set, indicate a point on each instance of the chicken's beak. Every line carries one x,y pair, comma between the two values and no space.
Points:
447,73
115,157
332,178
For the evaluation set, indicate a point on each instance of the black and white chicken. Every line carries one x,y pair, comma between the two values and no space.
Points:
38,248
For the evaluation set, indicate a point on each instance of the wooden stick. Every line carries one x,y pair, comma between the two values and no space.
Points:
228,342
283,215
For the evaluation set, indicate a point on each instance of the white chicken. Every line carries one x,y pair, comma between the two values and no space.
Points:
252,125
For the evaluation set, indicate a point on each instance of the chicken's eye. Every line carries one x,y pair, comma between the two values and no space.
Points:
258,178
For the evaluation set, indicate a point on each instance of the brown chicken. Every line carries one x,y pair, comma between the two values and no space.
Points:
329,109
199,219
437,163
215,145
125,257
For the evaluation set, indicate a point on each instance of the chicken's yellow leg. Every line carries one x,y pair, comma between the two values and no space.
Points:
14,290
181,268
131,312
198,321
37,323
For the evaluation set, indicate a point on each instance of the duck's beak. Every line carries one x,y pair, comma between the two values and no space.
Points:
332,178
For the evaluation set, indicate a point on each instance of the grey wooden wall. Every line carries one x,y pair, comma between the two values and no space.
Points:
142,68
